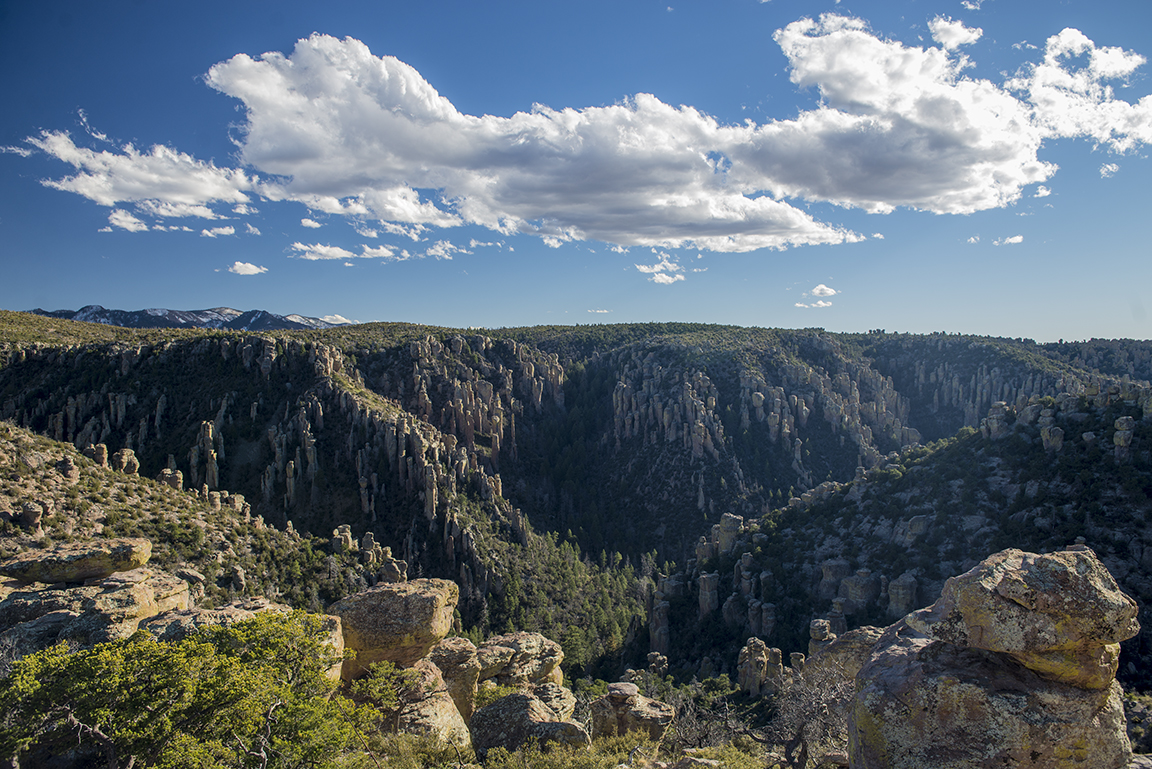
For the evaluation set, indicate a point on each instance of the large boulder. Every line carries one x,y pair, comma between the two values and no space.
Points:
456,658
399,622
1061,615
520,659
78,562
511,721
427,707
1014,666
623,709
925,703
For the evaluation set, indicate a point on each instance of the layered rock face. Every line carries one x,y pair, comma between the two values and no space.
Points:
78,562
1014,666
35,616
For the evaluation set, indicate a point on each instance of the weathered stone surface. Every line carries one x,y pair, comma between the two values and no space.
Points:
1060,614
106,611
924,703
459,665
125,461
400,622
623,709
492,659
559,699
752,667
532,659
511,721
428,708
845,653
78,562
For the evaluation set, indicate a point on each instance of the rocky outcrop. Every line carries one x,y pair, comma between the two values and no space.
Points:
459,665
1061,615
520,659
511,721
559,699
426,707
78,562
1013,666
924,703
759,670
844,654
623,709
400,622
35,616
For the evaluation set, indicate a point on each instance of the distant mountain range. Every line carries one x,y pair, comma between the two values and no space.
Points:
217,317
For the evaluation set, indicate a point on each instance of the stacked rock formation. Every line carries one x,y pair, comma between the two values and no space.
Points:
623,709
1014,665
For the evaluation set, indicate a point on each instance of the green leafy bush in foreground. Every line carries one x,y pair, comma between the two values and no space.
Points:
254,694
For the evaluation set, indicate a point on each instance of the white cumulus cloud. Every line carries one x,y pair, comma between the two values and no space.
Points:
311,223
1071,97
348,133
953,34
822,290
1008,241
246,268
161,174
1042,192
217,232
814,305
250,229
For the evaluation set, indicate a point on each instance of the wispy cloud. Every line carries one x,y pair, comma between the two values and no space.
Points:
664,272
1013,240
125,221
1109,169
443,249
599,311
250,229
246,268
316,252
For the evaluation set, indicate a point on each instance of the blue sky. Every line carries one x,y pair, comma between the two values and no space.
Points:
978,166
